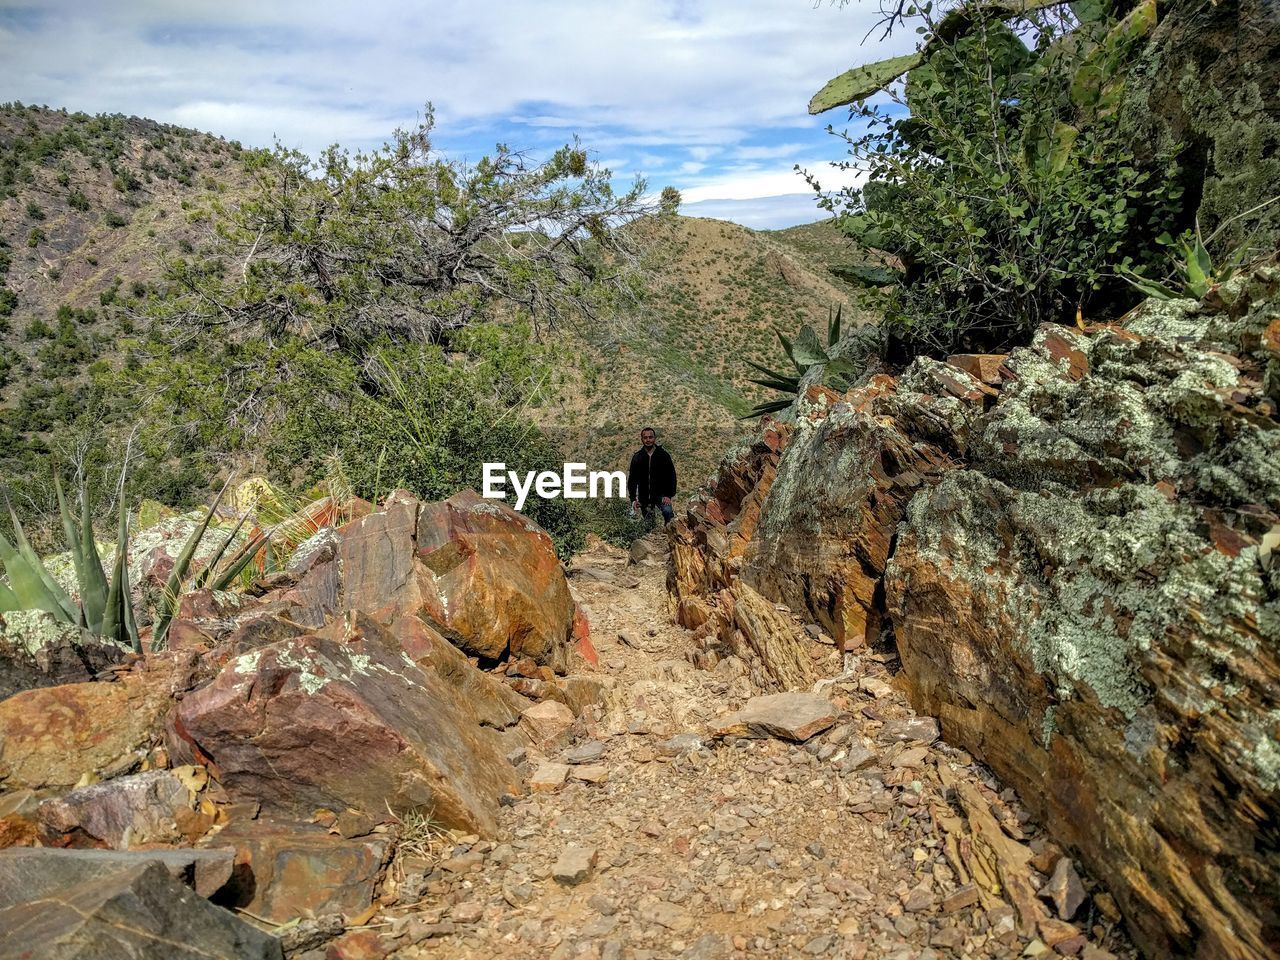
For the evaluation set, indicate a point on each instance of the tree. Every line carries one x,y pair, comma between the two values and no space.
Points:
670,200
406,244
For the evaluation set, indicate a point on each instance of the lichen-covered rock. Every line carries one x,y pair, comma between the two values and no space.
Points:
1079,570
38,650
345,723
482,575
52,736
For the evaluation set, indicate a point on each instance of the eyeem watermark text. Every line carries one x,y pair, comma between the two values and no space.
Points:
575,482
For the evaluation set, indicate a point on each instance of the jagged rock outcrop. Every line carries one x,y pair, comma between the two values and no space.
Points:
343,722
38,650
1074,553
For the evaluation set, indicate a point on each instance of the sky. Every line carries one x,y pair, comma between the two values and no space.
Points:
708,96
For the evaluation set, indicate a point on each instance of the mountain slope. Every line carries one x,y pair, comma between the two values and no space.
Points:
92,207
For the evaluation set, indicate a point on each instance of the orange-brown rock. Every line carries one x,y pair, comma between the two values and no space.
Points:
1079,574
349,723
52,736
482,575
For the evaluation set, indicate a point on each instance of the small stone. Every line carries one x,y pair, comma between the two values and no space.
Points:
1092,952
1002,920
588,752
920,898
728,823
924,729
1054,932
595,773
602,905
949,937
820,944
679,744
517,894
965,896
575,865
469,911
1064,889
815,850
549,777
1036,948
464,862
911,757
1070,946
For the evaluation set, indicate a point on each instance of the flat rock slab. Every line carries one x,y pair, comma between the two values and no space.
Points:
574,865
549,777
135,912
589,752
789,716
30,873
287,870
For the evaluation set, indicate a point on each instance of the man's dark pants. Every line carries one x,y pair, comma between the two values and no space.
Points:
667,513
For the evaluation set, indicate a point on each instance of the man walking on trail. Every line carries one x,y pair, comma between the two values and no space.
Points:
651,481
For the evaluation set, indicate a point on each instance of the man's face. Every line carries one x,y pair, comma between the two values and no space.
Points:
648,438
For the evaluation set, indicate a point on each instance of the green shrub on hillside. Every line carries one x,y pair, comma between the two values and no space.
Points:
1005,189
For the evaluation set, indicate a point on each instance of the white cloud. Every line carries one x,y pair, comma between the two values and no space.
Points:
694,78
760,213
747,184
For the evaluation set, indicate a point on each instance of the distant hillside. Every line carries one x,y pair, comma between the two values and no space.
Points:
679,363
91,208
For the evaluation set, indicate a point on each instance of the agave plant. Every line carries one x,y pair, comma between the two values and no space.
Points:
805,353
105,605
1194,270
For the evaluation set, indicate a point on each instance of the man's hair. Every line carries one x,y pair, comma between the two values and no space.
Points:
649,430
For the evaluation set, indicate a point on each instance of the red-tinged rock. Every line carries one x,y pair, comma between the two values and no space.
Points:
981,366
492,583
582,644
357,945
315,722
18,825
150,807
51,737
496,705
485,577
547,724
286,870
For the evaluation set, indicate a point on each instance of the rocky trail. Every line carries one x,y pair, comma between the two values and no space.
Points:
662,823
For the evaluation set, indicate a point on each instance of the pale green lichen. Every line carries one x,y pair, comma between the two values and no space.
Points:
1049,725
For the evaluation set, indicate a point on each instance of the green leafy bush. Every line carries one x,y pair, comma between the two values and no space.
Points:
1004,190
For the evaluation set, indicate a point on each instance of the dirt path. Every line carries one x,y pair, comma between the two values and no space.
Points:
846,846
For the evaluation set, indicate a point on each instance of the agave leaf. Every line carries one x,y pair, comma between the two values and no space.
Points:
1152,288
130,623
203,576
113,617
70,530
861,82
93,588
788,350
807,350
8,600
770,406
833,326
240,560
27,587
782,386
173,586
52,587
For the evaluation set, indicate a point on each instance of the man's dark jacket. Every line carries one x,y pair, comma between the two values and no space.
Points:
651,477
